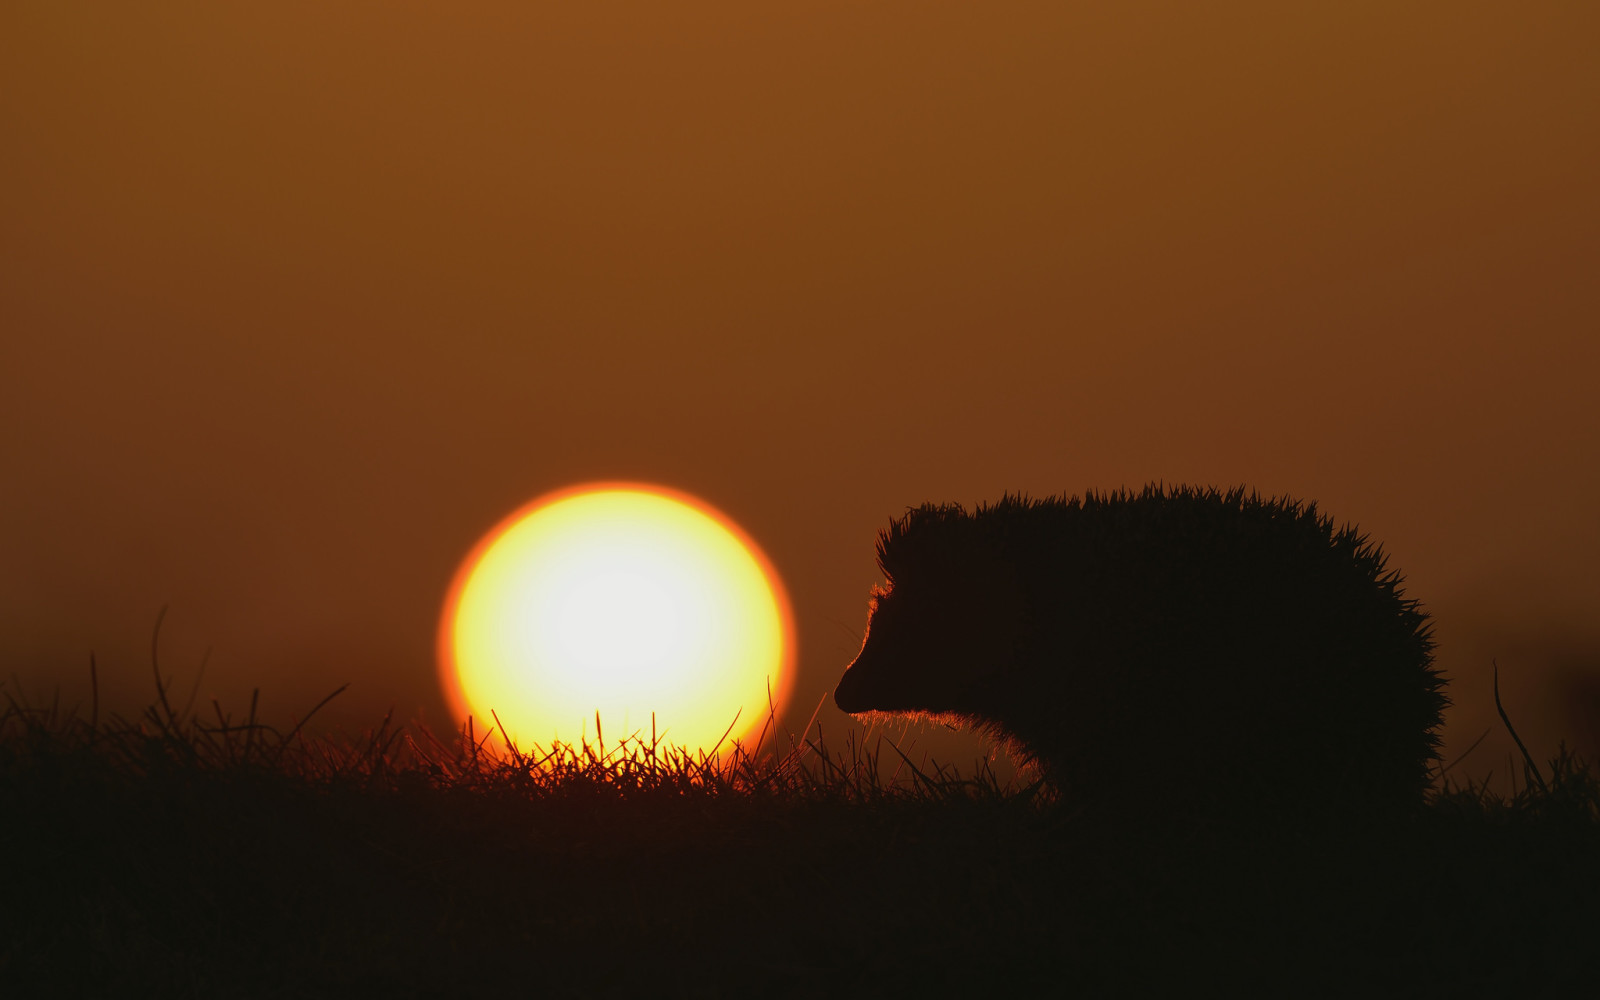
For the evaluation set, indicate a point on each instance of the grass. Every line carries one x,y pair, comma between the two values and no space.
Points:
182,853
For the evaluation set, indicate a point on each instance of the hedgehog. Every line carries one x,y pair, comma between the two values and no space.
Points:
1178,649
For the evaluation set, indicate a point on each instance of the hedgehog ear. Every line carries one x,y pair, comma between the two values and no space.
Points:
888,564
912,545
950,550
904,558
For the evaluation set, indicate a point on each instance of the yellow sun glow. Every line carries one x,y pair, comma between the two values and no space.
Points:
624,599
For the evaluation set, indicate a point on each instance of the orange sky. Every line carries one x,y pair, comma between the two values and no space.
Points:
297,301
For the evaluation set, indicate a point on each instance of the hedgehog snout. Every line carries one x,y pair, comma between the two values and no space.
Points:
853,693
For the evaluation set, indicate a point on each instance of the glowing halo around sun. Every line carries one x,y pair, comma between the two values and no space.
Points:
625,599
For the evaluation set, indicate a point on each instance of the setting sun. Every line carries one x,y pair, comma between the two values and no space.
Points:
625,599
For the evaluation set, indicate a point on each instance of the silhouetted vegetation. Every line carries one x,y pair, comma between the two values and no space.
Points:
187,854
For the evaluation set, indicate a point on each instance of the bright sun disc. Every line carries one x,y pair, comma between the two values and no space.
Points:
623,599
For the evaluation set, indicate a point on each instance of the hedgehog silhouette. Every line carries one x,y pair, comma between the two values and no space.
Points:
1178,648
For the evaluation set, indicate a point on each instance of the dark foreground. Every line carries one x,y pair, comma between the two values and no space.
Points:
167,859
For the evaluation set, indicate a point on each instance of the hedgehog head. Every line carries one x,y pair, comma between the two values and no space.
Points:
944,622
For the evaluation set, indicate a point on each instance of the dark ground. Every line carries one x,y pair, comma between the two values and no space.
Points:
179,862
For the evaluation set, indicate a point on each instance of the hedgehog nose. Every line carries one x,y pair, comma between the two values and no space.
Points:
846,696
850,695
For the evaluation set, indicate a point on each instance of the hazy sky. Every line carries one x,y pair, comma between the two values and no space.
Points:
297,299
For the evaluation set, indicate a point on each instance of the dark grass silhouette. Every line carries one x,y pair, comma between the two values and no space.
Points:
180,855
1186,651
